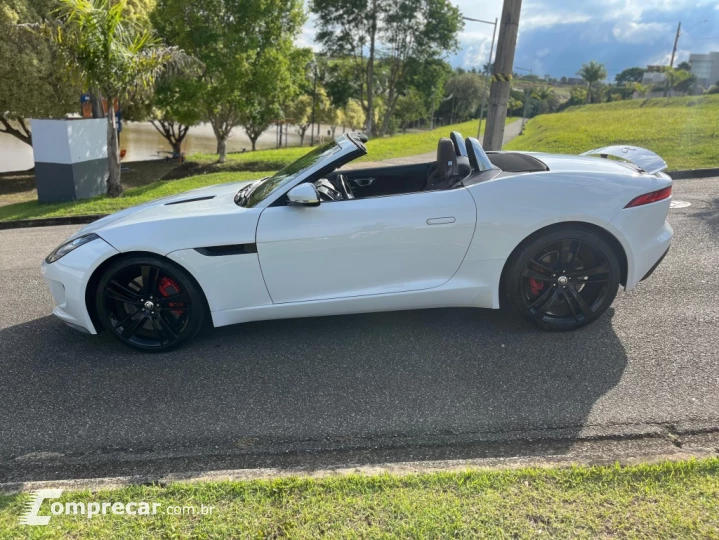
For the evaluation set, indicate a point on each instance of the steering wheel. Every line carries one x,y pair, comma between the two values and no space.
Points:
344,187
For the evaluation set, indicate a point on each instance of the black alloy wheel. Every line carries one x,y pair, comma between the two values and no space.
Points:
563,280
149,304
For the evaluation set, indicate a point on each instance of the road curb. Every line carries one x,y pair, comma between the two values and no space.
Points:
81,220
694,173
582,452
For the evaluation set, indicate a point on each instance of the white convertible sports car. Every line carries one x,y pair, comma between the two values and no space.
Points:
552,236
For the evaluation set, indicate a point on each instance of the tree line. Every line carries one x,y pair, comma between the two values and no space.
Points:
230,63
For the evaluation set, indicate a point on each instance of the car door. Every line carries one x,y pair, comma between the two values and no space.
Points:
364,247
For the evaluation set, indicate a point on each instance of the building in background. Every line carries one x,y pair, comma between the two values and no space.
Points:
705,67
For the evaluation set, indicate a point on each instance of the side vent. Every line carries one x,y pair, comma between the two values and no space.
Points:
234,249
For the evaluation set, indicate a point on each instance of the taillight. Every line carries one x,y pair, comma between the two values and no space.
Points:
647,198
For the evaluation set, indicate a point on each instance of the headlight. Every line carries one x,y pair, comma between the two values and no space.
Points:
67,247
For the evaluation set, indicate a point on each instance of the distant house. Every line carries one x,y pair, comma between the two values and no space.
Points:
654,77
575,81
705,67
655,80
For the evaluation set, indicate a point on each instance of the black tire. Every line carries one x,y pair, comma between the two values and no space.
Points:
150,304
562,280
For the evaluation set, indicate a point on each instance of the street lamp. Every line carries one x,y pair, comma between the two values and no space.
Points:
526,99
489,63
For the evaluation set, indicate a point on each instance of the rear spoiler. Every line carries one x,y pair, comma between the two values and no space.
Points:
645,159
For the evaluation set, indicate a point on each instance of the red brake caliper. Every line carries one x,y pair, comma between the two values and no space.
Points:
536,285
169,288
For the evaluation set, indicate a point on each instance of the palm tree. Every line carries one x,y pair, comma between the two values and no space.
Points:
641,89
546,97
111,53
592,73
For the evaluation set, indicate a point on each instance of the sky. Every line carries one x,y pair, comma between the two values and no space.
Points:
556,37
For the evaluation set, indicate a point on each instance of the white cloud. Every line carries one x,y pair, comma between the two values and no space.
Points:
636,32
663,59
307,36
547,20
476,54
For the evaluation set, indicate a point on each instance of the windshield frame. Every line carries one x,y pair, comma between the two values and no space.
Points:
348,147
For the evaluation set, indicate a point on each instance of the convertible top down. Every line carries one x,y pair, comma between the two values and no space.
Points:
551,236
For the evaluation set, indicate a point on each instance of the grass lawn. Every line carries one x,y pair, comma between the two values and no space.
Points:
259,164
668,500
684,131
131,197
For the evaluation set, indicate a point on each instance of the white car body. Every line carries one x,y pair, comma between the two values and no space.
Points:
426,249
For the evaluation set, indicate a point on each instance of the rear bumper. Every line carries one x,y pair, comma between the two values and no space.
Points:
67,280
651,270
645,235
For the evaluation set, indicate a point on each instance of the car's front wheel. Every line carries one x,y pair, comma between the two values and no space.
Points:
149,304
563,279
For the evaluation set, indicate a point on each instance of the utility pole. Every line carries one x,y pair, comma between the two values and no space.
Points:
487,71
314,99
527,96
676,41
502,75
671,62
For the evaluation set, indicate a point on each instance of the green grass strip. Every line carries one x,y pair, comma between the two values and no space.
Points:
666,500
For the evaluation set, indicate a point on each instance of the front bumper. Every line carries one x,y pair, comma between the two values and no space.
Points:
67,280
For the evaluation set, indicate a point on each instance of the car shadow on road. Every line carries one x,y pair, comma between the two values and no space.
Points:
316,392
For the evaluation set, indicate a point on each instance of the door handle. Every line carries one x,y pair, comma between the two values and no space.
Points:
440,220
363,182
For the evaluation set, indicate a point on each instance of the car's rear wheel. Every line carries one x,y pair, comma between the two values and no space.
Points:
564,279
149,304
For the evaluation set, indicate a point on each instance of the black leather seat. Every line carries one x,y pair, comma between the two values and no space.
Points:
448,170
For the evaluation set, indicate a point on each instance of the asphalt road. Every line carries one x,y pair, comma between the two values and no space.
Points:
403,380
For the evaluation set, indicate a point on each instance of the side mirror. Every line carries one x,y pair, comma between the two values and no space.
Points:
304,195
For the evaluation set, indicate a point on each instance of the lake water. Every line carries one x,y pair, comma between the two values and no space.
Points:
142,142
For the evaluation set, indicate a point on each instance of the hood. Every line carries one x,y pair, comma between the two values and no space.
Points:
201,217
196,200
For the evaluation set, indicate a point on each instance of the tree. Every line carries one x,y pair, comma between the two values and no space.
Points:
410,107
514,105
418,30
685,66
353,114
641,89
32,81
629,76
592,73
174,108
109,51
367,30
429,79
546,99
349,28
237,41
679,80
299,111
270,82
466,91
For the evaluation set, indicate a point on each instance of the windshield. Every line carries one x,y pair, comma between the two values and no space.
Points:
264,188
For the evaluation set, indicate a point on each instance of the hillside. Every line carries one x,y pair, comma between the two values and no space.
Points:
684,131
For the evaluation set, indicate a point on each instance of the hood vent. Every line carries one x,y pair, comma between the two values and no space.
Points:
205,198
